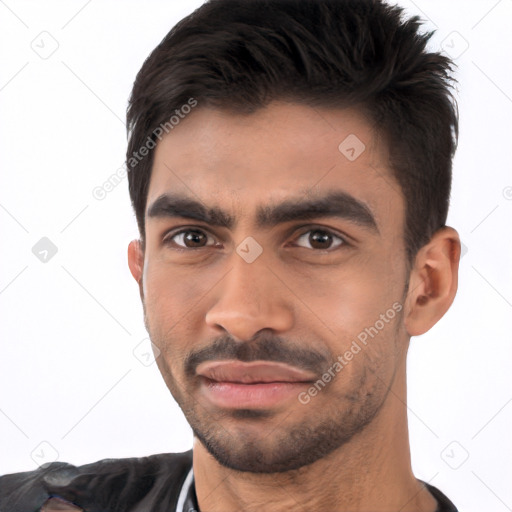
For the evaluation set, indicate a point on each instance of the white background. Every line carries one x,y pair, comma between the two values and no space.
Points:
69,377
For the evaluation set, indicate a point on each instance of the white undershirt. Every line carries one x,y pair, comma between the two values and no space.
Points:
184,491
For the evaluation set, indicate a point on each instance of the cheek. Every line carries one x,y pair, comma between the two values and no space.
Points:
359,311
165,282
346,300
174,293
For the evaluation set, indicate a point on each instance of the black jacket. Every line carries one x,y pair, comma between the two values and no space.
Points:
145,484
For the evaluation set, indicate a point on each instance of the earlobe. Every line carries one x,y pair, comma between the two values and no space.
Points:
136,259
433,282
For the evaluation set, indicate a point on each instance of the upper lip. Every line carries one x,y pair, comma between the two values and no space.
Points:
253,372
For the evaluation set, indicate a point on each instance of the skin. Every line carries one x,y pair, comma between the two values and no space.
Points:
348,447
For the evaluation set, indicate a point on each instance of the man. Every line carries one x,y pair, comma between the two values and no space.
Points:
290,170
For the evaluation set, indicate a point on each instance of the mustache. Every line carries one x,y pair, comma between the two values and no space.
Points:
262,348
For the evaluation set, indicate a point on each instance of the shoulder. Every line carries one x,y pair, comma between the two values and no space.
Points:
444,504
107,484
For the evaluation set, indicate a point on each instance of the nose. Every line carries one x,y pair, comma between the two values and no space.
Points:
251,297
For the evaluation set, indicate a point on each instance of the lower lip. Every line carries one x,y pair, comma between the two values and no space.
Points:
235,395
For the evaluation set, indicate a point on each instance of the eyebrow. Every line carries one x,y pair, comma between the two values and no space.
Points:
338,204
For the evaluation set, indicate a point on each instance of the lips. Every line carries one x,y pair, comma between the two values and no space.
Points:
253,372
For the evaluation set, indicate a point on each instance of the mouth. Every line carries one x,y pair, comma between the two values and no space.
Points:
259,384
252,373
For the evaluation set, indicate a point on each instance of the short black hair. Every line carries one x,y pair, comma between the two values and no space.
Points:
241,55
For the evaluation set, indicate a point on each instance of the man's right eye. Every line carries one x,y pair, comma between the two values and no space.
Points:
189,238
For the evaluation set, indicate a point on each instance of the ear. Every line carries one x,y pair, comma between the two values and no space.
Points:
433,281
136,263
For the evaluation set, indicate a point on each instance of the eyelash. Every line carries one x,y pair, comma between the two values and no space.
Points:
167,240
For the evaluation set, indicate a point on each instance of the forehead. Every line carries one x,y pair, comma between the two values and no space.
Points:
244,163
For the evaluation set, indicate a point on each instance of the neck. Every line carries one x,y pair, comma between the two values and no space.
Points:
370,472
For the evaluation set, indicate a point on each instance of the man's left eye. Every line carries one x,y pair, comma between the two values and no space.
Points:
321,238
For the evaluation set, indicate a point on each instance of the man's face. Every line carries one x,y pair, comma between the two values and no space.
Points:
321,287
